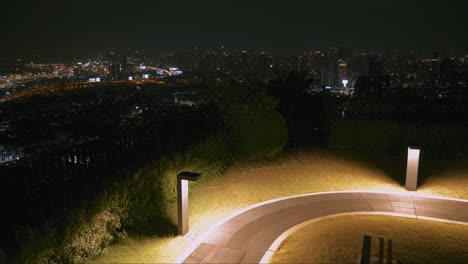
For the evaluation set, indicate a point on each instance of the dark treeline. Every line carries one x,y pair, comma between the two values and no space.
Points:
403,109
305,113
350,122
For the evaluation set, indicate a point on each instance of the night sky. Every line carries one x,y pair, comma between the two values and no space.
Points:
59,27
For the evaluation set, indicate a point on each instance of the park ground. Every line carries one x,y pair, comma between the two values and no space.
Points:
339,240
299,172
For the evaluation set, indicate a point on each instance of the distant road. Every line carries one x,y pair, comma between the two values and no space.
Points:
70,86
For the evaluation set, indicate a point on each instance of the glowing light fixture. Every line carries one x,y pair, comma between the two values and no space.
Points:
345,82
182,199
412,169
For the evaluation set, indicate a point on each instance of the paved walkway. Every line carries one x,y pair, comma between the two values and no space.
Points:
247,237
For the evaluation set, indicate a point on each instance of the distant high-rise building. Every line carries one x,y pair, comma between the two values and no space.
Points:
360,64
326,64
344,53
331,72
123,64
376,66
447,71
435,69
342,72
372,85
114,71
124,73
435,64
375,83
123,70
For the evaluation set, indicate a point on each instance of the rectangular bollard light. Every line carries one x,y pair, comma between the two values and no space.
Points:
182,199
412,169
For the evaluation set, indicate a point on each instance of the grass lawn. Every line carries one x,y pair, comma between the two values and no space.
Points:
144,250
339,240
445,178
250,183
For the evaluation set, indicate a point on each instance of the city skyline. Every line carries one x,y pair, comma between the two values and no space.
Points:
56,28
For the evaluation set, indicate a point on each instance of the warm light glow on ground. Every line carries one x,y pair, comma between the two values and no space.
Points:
146,250
447,178
339,240
248,184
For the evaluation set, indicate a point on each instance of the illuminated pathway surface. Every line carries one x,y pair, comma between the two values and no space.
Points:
253,235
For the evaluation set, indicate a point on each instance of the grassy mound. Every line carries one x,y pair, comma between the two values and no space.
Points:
339,240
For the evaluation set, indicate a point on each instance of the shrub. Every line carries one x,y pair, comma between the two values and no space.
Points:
263,136
139,204
3,256
240,102
152,189
436,139
87,232
93,229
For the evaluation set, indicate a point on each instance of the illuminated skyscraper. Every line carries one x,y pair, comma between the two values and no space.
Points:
342,71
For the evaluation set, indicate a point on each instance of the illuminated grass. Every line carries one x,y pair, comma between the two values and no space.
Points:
296,173
299,173
148,250
247,184
339,240
445,178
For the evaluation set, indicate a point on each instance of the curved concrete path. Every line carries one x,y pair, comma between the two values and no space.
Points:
248,236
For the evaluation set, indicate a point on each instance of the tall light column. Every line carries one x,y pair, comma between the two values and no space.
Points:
182,199
412,169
